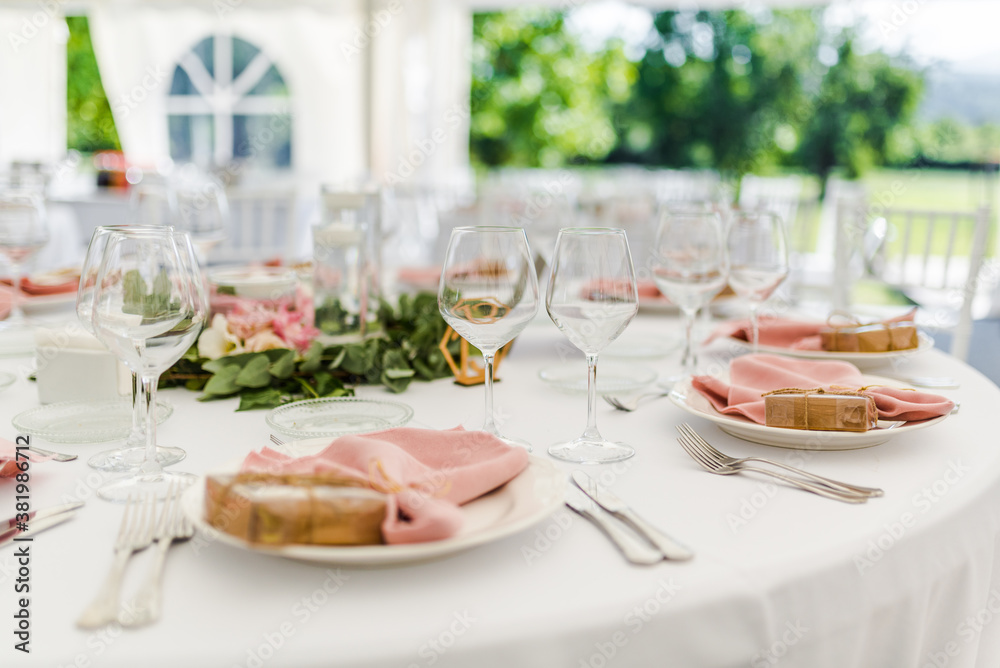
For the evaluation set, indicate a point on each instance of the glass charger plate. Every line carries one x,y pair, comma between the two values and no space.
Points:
6,379
523,502
860,360
338,416
611,378
686,397
83,421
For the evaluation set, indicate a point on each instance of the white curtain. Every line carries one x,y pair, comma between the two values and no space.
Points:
33,83
138,46
420,91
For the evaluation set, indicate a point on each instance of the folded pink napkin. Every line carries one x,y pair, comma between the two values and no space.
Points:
6,300
752,375
9,463
428,474
785,332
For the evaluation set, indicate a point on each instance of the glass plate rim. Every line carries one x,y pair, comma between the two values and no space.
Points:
164,411
270,418
644,373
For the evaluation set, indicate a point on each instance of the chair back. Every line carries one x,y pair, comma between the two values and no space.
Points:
263,226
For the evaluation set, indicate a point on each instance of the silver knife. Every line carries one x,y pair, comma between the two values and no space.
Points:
670,548
35,526
634,549
36,515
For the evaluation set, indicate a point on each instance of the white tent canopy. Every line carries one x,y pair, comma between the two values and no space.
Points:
377,89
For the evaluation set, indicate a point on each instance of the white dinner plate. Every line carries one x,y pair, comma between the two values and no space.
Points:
860,360
40,303
524,501
612,378
695,403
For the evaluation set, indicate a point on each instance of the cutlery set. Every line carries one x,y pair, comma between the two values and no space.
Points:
616,519
38,520
139,529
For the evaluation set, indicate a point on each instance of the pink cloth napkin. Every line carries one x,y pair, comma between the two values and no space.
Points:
785,332
752,375
427,473
8,459
6,300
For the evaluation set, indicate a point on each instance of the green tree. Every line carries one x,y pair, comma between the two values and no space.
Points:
538,97
719,90
90,125
861,115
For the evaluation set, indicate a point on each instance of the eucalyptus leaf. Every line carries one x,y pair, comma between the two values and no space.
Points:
282,365
224,381
268,397
254,373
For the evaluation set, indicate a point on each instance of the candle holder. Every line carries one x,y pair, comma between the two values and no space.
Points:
469,369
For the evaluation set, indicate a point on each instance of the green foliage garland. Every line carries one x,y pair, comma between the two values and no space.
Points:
406,350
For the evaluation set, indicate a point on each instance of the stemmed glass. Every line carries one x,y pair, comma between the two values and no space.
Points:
689,266
23,232
149,306
592,298
758,260
118,460
203,212
488,294
153,203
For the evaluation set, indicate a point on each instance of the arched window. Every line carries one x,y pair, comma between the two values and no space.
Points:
228,102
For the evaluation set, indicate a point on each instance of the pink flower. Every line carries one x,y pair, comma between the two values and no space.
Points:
248,318
289,327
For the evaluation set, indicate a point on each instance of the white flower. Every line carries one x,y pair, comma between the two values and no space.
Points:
217,340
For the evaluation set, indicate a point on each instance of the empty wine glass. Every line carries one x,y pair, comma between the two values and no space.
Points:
592,298
153,202
149,306
203,212
488,293
130,457
758,260
23,232
689,266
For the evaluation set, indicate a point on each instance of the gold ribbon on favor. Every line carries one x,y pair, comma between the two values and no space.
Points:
391,486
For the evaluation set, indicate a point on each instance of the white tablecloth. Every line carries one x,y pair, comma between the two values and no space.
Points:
780,577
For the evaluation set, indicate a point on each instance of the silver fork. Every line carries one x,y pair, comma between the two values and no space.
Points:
173,525
631,403
713,466
136,533
706,447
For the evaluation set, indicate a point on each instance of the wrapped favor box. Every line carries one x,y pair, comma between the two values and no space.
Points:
820,411
71,364
876,338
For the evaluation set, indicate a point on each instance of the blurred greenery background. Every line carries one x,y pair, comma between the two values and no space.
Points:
762,92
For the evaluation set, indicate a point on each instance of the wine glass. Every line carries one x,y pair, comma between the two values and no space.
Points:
488,294
689,266
203,212
149,307
592,298
23,232
130,457
153,202
758,260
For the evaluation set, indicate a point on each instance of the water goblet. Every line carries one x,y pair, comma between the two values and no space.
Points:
758,260
23,232
149,306
488,294
591,297
689,267
124,459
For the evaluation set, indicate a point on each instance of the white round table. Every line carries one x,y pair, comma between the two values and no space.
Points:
780,576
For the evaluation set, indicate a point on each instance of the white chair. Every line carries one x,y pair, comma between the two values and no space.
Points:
263,226
933,257
779,195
